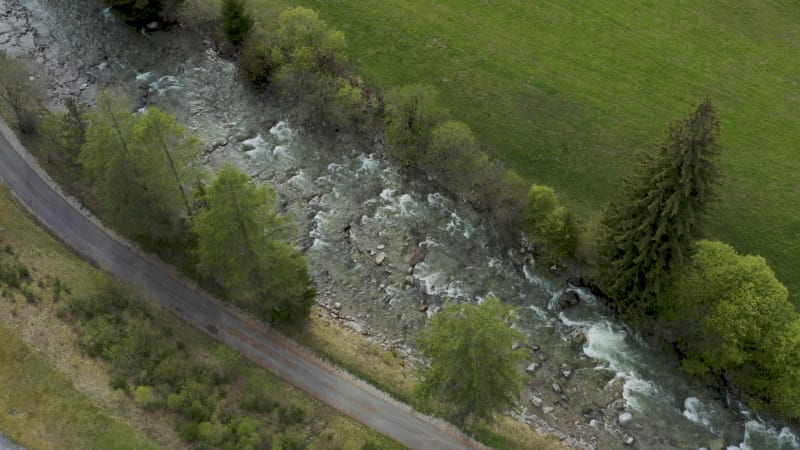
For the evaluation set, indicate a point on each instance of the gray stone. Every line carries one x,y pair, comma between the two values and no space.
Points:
531,369
566,373
355,326
547,409
415,254
716,444
381,247
557,388
380,258
536,401
568,300
423,307
628,440
515,346
625,419
152,26
579,339
337,305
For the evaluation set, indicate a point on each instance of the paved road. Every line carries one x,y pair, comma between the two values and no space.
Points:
266,347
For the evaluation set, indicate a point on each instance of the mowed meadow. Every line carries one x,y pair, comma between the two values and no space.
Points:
567,92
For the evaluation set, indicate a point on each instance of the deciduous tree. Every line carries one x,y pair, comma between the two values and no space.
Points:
550,226
651,228
411,115
241,246
472,364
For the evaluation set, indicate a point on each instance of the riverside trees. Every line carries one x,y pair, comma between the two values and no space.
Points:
143,170
241,247
651,229
473,367
21,90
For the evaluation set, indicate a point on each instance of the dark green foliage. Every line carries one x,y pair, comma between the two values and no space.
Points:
13,274
473,366
237,23
64,134
256,63
22,90
137,12
256,397
241,247
651,228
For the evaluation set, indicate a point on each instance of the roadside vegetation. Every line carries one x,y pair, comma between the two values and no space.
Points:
151,366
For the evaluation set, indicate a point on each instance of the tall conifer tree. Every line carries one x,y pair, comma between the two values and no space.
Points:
651,229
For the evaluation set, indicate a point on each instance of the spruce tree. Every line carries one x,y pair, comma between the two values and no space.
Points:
236,22
651,229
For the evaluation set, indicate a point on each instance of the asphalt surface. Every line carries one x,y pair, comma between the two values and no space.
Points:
257,342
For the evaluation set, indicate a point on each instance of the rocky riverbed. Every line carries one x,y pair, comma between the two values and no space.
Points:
386,252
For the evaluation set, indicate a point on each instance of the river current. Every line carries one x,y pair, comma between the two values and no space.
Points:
388,249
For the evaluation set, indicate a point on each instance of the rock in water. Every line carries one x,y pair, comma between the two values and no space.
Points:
625,419
579,339
629,440
568,300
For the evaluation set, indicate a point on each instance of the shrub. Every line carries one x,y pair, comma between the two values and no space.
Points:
146,397
256,397
411,114
454,157
255,63
550,226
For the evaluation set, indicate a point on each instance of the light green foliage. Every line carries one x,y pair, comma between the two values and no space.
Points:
472,364
241,247
305,40
411,114
454,157
211,434
22,89
732,316
146,397
142,168
550,226
236,21
651,228
246,432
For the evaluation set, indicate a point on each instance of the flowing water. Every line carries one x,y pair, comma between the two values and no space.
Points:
389,250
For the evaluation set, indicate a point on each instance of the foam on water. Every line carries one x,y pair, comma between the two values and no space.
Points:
282,132
697,412
758,435
165,84
144,76
258,144
368,163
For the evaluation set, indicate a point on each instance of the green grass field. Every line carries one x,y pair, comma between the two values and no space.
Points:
567,92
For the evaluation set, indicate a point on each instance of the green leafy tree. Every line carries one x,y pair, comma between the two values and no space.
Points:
411,115
651,228
237,23
256,63
64,134
304,40
472,364
22,90
241,247
731,316
549,225
454,157
142,167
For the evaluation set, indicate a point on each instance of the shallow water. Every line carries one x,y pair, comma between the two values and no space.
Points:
353,210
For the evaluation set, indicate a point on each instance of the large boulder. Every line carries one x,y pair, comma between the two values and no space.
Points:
568,300
415,254
625,419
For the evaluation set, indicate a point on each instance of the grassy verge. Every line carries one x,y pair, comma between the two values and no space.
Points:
567,92
41,410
